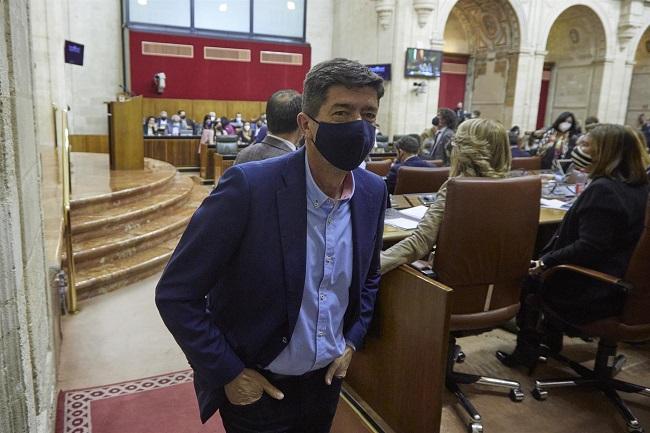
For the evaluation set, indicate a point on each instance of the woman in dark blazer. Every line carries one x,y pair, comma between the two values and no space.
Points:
599,232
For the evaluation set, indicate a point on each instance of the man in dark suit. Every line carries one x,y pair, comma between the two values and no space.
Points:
441,149
283,132
270,304
407,149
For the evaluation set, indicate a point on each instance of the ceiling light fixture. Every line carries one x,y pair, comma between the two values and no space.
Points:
143,2
223,7
291,5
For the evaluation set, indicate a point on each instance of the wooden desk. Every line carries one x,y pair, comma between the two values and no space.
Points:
181,152
400,373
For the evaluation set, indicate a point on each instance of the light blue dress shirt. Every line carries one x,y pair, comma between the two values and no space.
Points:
318,336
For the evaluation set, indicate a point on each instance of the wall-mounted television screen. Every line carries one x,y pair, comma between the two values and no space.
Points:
422,63
74,53
382,70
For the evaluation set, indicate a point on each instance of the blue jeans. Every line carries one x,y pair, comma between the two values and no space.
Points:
308,406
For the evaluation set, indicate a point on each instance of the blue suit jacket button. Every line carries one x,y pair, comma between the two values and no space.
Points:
284,340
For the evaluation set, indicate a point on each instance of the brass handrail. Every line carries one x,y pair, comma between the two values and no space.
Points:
67,191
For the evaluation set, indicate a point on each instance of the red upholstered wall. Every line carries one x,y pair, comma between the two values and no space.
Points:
198,78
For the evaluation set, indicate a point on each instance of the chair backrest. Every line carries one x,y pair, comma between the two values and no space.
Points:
397,137
527,163
380,168
485,244
226,144
637,304
412,180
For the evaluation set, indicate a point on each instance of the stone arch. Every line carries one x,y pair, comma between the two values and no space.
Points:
489,32
576,46
639,99
609,34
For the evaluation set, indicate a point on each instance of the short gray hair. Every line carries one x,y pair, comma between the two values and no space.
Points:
339,71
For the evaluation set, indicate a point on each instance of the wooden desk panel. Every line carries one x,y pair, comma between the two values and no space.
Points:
180,152
400,371
221,164
206,170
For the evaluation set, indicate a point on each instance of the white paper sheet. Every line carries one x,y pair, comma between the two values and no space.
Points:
402,223
416,212
553,204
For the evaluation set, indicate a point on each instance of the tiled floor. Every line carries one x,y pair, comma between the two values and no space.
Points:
119,336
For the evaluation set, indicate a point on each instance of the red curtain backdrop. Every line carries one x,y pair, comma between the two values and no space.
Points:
452,85
198,78
543,101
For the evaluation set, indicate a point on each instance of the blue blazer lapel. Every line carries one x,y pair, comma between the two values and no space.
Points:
361,236
292,220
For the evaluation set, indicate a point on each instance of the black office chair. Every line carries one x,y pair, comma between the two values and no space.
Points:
633,324
226,144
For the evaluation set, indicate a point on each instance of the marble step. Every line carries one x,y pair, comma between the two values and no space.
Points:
120,186
134,211
108,245
110,276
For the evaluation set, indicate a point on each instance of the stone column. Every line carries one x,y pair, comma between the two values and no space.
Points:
607,110
413,26
27,362
529,83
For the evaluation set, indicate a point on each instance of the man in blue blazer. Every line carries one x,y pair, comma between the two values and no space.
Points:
407,149
273,284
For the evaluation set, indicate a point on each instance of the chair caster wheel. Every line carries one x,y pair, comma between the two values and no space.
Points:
635,428
539,394
516,394
460,358
475,427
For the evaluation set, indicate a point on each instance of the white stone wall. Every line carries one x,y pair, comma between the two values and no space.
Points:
319,29
639,101
27,361
371,31
592,77
97,25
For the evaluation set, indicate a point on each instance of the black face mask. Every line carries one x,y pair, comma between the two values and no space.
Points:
345,145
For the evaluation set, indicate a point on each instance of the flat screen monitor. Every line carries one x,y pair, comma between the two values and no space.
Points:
74,53
422,63
382,70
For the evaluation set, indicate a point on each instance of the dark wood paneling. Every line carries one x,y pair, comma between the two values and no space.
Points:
180,152
197,108
400,371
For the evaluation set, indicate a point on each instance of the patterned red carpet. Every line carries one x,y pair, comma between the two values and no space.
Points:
160,404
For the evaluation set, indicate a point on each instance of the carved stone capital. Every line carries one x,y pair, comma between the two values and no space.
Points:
423,10
385,10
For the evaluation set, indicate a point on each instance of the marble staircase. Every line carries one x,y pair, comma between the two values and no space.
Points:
127,230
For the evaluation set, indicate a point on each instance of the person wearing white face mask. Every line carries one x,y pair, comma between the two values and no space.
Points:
559,140
246,134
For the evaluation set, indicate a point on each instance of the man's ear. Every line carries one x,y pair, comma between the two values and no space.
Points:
305,126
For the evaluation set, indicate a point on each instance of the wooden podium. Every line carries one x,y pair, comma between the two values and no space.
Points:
125,137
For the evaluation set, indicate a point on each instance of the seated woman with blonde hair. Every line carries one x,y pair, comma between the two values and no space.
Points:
480,148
